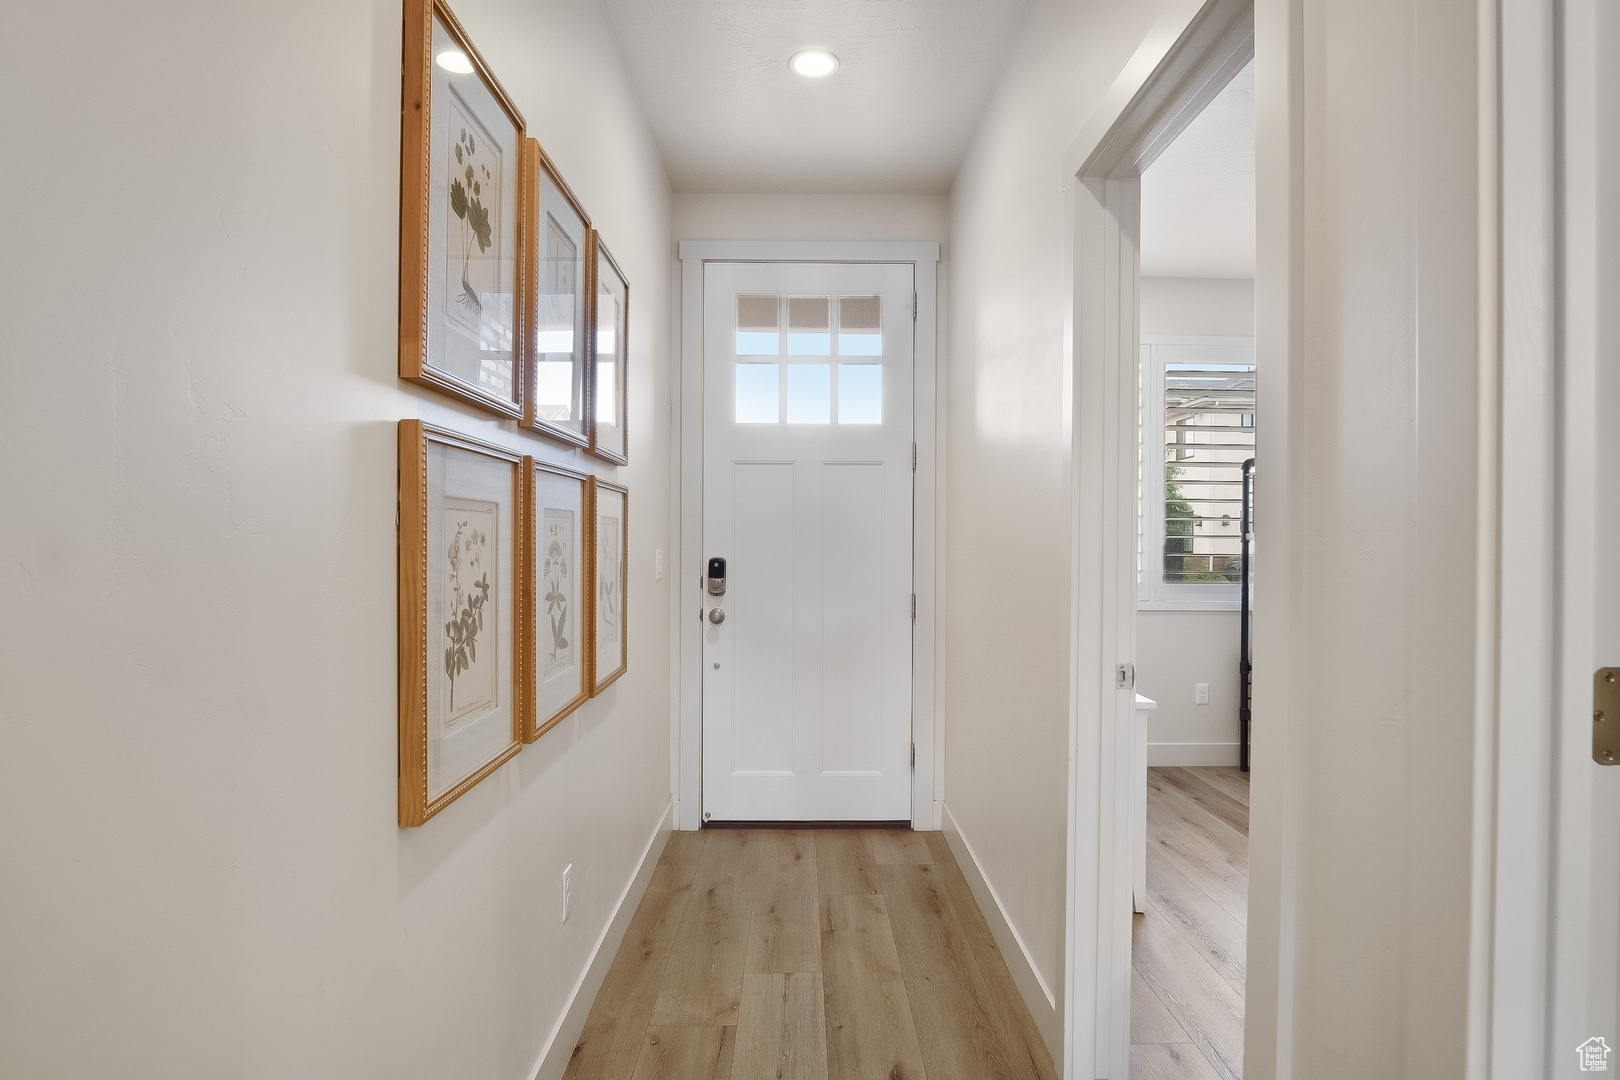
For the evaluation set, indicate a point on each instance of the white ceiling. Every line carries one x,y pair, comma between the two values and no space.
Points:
729,116
1198,197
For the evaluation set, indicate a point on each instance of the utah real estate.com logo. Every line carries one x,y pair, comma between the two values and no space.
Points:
1594,1055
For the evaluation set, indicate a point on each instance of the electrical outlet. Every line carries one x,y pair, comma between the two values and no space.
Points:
658,565
568,890
1201,694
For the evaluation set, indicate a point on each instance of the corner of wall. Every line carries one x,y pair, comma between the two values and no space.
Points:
559,1047
1038,997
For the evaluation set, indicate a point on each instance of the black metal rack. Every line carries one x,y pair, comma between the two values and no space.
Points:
1245,668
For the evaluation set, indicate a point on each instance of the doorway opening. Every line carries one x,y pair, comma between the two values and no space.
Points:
1164,420
1197,428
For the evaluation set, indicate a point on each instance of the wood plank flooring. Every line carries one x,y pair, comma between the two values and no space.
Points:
1188,948
828,954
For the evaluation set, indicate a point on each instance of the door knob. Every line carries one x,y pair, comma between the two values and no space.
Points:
716,616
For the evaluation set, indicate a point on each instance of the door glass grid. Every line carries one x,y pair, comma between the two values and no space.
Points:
811,392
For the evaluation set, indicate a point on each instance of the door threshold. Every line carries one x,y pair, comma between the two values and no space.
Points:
806,825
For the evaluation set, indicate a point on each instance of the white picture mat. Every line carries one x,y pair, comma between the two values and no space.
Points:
609,581
454,754
557,684
449,347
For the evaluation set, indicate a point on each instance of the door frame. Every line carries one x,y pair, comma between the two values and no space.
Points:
1189,56
1520,461
686,721
1549,788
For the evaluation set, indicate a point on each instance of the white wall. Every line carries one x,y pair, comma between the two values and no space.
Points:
202,872
1177,650
1360,898
1005,611
1196,307
703,216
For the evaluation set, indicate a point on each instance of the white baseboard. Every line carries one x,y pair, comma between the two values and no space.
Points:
1192,753
1037,995
565,1035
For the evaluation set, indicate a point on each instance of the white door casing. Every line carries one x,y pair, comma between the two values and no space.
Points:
808,496
687,599
1583,416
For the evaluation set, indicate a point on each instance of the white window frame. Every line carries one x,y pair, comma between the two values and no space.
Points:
1153,593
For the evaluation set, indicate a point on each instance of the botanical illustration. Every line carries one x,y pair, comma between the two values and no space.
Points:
557,579
610,586
475,299
471,626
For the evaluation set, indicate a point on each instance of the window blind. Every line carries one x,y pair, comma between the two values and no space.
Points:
1208,432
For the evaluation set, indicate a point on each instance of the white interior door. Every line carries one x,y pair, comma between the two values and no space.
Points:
807,495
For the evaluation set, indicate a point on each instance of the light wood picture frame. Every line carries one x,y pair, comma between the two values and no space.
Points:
461,576
557,601
461,229
610,578
557,378
610,354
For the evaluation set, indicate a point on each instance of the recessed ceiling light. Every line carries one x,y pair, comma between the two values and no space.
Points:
455,60
814,63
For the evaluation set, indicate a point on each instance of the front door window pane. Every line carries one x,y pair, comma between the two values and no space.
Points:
860,393
758,394
809,393
809,326
759,326
860,326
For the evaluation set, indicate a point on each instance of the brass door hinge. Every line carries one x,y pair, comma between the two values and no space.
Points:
1606,716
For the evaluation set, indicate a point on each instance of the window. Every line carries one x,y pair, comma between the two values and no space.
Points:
758,394
1197,429
773,387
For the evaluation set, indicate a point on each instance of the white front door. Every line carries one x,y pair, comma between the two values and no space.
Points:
807,494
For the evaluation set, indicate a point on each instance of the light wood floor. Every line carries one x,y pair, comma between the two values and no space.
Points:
831,954
1189,946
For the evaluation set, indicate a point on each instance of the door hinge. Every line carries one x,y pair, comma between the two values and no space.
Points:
1606,716
913,457
913,307
913,605
1125,677
913,755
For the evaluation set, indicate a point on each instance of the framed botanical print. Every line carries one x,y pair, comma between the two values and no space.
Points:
460,578
556,610
610,546
461,259
609,356
557,247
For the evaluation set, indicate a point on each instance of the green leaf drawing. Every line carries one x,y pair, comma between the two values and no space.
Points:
467,608
478,218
